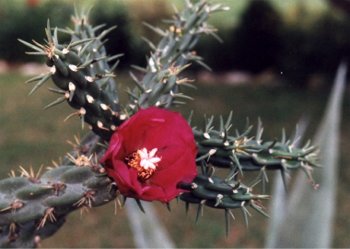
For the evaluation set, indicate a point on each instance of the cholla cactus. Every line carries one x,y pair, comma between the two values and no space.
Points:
34,206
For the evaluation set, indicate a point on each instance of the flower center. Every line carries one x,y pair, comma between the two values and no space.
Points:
144,162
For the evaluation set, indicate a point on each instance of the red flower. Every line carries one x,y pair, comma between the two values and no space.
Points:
150,154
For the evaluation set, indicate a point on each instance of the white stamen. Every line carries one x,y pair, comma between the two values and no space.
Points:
148,159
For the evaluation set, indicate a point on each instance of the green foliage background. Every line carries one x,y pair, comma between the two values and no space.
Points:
298,38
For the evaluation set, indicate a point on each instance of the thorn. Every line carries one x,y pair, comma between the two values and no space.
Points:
115,206
12,173
56,90
35,78
81,112
227,222
155,29
105,32
49,215
187,207
150,44
80,160
245,214
139,204
168,206
48,32
140,69
283,139
13,234
16,204
84,48
30,174
86,200
83,210
259,208
56,102
200,210
80,42
40,83
36,48
114,57
284,179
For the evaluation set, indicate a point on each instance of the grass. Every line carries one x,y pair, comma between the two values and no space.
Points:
30,136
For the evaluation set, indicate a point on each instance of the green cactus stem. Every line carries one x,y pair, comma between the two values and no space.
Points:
80,70
227,194
161,84
244,152
33,208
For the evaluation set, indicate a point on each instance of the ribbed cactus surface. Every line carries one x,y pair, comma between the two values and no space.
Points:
33,207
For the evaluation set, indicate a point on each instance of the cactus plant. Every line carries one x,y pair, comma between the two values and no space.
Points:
34,206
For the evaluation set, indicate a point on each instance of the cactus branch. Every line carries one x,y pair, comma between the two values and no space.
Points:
161,83
82,74
243,152
33,207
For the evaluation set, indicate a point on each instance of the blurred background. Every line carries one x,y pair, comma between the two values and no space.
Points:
277,61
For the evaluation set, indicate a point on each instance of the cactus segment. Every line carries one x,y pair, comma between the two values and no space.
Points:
248,153
161,84
215,192
82,73
32,208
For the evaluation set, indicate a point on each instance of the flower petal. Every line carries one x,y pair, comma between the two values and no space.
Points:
165,143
